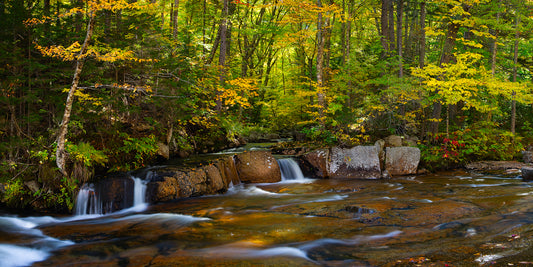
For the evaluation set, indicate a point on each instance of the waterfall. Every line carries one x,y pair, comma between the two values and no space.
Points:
290,170
139,190
88,201
96,200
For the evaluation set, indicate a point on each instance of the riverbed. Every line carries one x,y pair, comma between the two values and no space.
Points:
454,219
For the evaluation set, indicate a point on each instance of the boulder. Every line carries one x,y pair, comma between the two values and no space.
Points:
164,190
356,162
198,181
228,171
527,173
171,183
115,192
315,163
410,141
214,180
402,160
258,167
380,146
393,141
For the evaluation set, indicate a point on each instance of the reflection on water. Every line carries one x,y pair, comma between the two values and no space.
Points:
458,219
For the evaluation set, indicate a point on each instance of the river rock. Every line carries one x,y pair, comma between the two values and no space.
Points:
115,192
410,141
214,180
228,171
315,163
356,162
258,167
165,190
393,141
527,173
402,160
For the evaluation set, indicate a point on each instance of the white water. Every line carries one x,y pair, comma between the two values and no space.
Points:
139,191
88,201
36,246
290,170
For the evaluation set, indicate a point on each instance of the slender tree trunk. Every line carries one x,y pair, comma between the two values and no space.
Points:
494,48
204,13
399,37
392,36
321,97
61,154
422,39
515,73
385,30
79,17
175,18
224,47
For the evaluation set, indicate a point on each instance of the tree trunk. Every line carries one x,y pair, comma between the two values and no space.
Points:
515,73
61,154
399,37
321,97
175,18
385,25
224,46
422,37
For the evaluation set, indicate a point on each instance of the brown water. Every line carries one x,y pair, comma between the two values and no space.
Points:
447,219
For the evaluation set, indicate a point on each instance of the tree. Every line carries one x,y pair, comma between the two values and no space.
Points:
79,54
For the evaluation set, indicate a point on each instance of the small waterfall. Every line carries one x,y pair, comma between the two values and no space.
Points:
139,190
290,170
88,201
98,200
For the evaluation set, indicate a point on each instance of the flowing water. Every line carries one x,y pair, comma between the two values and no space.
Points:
445,219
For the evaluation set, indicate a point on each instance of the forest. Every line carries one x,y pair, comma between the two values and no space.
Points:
89,87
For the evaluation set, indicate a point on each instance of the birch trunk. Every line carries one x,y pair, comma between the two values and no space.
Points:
61,153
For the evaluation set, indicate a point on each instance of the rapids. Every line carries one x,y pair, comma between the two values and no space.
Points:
458,219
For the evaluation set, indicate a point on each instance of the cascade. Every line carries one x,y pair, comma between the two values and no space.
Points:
290,170
98,200
139,190
88,201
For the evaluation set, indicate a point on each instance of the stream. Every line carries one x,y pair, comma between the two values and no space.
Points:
444,219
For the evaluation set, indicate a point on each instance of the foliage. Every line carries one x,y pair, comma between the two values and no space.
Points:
150,77
138,150
86,154
14,195
483,141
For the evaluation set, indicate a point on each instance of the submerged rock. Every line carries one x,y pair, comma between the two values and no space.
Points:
258,167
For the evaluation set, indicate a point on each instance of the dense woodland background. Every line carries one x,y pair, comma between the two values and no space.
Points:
128,77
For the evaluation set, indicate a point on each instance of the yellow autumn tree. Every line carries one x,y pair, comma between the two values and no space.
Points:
467,82
79,53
